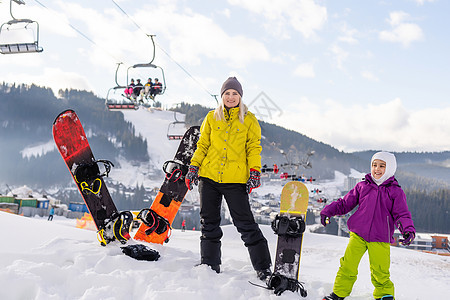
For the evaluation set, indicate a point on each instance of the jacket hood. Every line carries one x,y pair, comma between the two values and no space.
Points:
391,165
390,181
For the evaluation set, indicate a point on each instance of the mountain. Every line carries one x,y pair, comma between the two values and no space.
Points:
26,142
27,147
55,260
426,170
136,142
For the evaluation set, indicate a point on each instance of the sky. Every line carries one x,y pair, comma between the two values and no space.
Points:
357,75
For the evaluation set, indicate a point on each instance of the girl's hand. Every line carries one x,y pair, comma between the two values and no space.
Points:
408,238
325,220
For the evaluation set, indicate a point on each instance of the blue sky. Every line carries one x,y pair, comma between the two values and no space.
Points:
357,75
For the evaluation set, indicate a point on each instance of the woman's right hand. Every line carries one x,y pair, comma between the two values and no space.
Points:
191,177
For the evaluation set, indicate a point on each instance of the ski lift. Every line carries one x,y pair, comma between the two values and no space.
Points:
116,99
176,129
15,35
160,88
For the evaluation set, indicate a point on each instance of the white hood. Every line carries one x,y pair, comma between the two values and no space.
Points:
391,165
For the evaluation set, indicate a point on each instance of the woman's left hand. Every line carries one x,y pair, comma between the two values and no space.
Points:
254,181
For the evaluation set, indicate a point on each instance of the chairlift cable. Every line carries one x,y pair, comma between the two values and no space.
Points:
165,52
139,27
192,77
81,33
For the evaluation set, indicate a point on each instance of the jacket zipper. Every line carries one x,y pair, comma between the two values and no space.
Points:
389,229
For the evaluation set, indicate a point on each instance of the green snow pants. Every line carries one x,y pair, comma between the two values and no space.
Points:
379,259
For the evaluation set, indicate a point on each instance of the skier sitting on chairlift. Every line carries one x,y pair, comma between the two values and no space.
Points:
147,88
137,89
156,88
129,90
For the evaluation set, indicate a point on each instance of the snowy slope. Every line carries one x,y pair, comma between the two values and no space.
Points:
153,126
55,260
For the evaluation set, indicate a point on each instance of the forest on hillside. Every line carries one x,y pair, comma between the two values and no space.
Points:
27,113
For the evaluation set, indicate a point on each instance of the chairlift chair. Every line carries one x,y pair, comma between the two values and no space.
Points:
115,98
26,45
116,101
149,65
176,129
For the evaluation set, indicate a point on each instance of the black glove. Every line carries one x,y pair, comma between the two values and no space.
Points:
191,177
325,220
141,252
254,181
408,238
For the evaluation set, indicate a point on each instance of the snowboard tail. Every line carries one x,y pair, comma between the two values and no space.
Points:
157,221
73,145
289,225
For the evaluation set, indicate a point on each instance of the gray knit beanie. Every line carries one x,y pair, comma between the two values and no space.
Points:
231,83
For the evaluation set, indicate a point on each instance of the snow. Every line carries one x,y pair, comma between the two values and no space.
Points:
55,260
38,150
153,125
356,174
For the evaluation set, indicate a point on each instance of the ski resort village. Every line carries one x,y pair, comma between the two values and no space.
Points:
228,149
25,202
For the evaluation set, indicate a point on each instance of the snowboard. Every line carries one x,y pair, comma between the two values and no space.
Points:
73,145
157,220
289,225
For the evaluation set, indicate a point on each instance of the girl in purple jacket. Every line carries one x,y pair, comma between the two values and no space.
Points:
381,206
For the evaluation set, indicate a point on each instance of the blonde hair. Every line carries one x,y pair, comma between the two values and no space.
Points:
220,116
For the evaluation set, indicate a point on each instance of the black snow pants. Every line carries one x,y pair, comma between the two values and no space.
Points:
236,197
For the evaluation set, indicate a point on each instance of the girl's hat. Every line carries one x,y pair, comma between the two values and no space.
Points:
391,165
231,83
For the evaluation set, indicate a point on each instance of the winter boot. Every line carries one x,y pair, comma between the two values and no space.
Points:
387,297
263,274
333,296
213,267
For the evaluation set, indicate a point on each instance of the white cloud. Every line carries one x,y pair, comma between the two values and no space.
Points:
401,32
53,78
305,70
304,16
422,2
348,34
369,76
193,36
388,125
340,55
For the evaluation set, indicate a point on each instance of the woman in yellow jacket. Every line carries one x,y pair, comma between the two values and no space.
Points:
227,163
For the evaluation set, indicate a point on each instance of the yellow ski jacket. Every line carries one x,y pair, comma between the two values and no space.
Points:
227,150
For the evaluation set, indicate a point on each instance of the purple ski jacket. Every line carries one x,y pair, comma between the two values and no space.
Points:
380,207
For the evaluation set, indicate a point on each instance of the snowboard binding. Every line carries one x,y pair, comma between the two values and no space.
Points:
88,175
280,283
118,227
288,226
174,170
155,222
